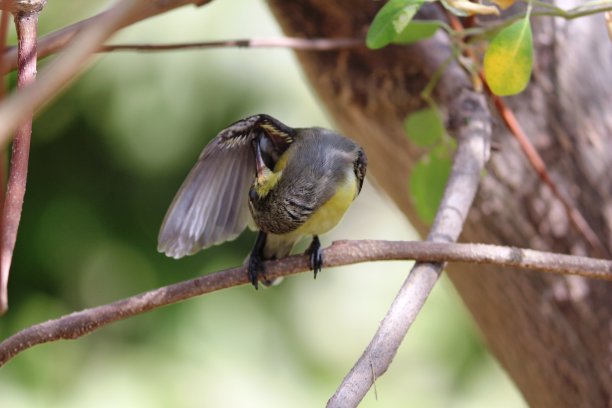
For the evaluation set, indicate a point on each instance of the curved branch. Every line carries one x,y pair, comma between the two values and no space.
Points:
55,41
339,253
26,23
469,115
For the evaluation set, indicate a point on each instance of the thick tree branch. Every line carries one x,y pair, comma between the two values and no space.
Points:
339,253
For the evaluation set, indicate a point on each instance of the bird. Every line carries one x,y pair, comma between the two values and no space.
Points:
285,182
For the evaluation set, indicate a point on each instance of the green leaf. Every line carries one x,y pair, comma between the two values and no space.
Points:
391,20
509,59
427,182
424,127
417,30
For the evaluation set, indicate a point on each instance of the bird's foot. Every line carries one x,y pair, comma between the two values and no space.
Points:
316,255
256,270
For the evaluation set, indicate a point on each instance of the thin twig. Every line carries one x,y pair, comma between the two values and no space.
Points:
314,44
340,253
374,382
304,44
552,11
27,28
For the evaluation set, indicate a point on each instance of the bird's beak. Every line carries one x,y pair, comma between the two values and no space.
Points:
262,171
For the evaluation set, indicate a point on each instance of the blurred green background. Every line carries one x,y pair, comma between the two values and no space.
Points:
107,157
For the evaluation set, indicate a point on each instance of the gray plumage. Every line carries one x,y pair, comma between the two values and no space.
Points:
312,174
212,204
221,194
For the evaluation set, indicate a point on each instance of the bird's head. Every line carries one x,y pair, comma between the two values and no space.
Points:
265,178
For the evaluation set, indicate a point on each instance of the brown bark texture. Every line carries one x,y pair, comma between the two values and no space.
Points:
553,334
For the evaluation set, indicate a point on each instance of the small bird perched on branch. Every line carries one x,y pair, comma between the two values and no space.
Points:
285,182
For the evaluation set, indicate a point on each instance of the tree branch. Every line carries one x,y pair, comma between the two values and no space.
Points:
469,121
339,253
26,22
64,69
312,44
4,24
55,41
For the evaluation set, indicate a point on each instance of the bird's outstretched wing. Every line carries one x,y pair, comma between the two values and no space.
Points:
212,204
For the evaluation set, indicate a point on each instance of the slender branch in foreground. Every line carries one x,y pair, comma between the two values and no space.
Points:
16,108
314,44
4,25
55,41
340,253
64,69
27,29
470,123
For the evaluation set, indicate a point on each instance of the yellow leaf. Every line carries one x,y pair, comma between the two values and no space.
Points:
509,59
504,4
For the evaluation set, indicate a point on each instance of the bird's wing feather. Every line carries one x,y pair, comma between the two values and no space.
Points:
212,204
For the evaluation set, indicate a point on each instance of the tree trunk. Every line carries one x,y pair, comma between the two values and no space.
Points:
552,334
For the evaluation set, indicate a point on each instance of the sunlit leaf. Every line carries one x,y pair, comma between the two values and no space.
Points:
464,8
417,30
391,20
509,58
424,127
504,4
455,11
427,182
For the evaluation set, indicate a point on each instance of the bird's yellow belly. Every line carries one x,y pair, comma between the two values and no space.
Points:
330,213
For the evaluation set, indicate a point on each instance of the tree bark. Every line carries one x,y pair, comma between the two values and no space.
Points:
552,334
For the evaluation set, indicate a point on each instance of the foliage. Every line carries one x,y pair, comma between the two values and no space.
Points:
509,58
391,21
425,127
428,177
507,68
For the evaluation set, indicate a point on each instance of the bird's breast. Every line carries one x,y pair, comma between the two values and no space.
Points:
330,213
